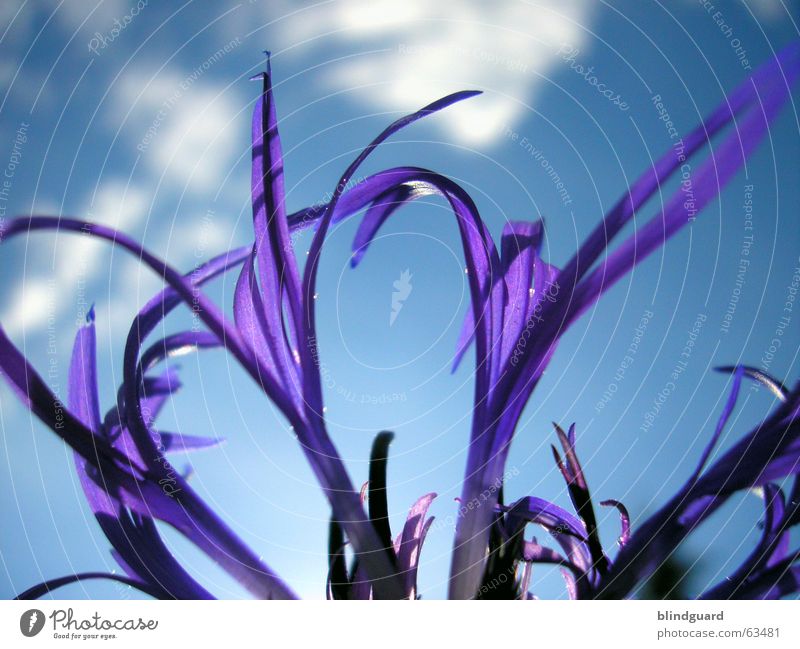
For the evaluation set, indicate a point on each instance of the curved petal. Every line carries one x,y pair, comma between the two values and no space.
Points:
567,530
624,517
347,508
771,550
184,511
35,592
775,386
411,540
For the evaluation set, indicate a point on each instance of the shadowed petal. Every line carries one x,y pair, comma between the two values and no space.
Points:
46,587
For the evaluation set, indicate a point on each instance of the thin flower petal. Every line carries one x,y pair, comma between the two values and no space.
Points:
411,540
136,541
45,588
771,550
775,386
625,520
723,419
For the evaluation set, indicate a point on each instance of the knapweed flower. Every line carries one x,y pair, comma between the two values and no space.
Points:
520,307
766,455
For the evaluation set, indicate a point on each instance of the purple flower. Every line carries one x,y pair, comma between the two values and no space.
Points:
273,338
521,305
122,463
768,453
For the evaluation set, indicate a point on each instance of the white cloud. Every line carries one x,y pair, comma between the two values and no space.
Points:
186,131
770,9
428,50
57,278
15,21
17,30
763,10
197,146
119,205
91,15
116,205
29,306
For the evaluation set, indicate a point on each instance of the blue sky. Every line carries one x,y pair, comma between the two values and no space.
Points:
138,116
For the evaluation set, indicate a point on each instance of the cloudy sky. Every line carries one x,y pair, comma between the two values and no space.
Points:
137,116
